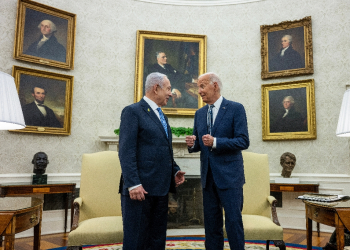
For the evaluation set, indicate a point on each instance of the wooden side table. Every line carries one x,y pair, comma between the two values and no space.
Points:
16,217
335,214
308,187
27,189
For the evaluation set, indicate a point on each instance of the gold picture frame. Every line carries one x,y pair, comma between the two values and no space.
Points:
187,60
46,100
290,57
300,120
44,35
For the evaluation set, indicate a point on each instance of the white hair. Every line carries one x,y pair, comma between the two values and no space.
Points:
52,25
290,98
158,52
289,37
155,78
213,78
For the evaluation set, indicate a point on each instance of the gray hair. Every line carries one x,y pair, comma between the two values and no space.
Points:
290,98
52,25
155,78
213,78
289,37
158,52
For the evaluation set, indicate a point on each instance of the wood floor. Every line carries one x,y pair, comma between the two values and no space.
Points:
59,240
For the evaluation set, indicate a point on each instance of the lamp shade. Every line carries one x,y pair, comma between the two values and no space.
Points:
343,129
11,115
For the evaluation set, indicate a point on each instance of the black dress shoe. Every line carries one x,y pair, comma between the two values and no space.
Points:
329,246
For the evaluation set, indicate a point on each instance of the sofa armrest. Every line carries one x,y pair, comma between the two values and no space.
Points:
273,202
78,202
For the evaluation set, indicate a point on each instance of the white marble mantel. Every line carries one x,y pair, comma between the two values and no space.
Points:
187,162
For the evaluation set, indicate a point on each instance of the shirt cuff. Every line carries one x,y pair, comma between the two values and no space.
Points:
214,143
131,188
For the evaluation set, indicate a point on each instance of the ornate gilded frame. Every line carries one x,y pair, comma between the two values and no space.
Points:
59,97
29,14
302,32
164,39
272,96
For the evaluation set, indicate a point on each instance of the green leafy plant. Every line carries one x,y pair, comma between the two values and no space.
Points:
175,130
181,131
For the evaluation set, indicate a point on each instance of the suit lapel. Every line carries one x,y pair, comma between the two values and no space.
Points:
220,115
154,117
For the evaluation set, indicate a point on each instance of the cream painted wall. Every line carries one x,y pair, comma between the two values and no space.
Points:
105,63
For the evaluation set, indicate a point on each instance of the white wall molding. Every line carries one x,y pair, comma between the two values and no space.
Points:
199,2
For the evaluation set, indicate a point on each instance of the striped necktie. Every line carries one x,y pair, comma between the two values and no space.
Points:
162,120
210,118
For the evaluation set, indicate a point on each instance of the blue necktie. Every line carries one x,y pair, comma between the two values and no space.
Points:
162,120
210,118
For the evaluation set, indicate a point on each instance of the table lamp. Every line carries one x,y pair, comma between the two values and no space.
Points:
11,115
343,129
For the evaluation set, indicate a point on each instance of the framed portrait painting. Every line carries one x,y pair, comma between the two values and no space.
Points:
46,100
44,35
286,49
181,57
288,110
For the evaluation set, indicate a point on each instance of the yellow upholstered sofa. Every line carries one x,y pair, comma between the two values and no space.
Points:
97,212
260,220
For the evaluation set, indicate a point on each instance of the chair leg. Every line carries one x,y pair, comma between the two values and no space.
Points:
280,244
267,244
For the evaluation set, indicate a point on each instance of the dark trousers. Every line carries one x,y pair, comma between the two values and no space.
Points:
214,199
144,222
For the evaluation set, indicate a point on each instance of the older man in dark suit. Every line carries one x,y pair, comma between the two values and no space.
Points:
149,171
220,133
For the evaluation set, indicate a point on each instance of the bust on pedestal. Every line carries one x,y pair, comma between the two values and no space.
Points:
287,162
40,161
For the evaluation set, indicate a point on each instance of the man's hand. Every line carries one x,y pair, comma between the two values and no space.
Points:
138,193
179,178
208,140
190,139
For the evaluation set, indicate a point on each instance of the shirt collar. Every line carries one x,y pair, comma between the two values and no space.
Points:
218,102
151,103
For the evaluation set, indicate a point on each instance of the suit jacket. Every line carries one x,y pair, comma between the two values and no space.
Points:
290,60
145,152
231,132
34,117
292,122
51,49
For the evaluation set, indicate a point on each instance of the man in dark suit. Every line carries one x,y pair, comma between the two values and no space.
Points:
149,171
287,58
180,99
47,45
220,133
38,114
288,119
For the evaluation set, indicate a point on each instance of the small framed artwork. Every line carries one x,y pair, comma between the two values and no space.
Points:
286,49
44,35
46,100
181,57
288,110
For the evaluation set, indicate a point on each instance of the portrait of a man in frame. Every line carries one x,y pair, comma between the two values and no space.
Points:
179,62
288,110
42,100
45,36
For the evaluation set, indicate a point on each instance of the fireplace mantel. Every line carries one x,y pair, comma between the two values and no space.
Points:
187,162
179,146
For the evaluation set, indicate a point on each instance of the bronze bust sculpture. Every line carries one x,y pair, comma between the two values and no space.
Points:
287,162
40,161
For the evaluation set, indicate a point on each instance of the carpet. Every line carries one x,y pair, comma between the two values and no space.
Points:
194,243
